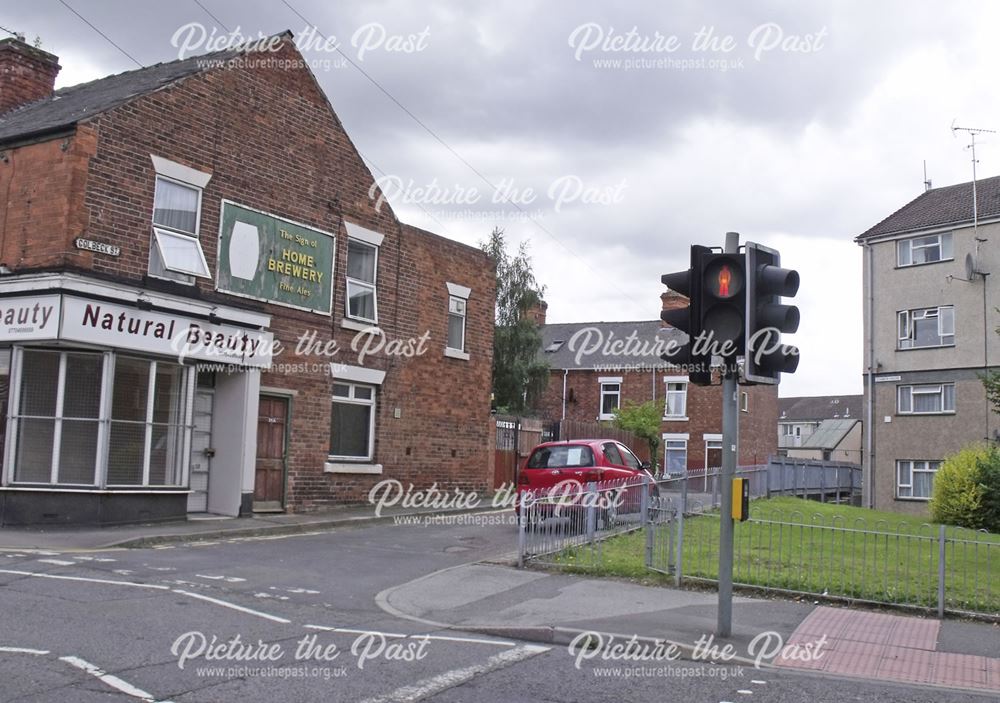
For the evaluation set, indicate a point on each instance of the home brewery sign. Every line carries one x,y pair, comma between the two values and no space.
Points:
275,260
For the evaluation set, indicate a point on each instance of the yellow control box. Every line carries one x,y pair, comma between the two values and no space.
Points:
741,499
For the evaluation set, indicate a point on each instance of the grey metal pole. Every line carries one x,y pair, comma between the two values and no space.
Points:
724,628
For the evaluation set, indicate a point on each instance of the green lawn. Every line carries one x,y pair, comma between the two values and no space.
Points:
821,548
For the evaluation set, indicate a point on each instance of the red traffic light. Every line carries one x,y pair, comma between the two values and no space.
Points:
723,278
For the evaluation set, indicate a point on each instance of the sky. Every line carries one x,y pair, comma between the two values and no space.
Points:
611,138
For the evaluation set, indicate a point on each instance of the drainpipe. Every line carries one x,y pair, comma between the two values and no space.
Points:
565,374
870,420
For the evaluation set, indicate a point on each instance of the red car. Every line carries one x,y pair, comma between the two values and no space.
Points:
563,469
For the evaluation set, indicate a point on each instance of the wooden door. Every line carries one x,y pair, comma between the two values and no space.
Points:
269,480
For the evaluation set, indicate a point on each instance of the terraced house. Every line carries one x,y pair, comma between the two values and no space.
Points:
930,321
202,310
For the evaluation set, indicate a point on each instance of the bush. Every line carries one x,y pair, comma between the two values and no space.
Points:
967,489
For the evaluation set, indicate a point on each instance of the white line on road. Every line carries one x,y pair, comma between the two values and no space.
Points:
225,604
450,679
57,562
758,683
24,650
60,577
111,680
347,630
469,640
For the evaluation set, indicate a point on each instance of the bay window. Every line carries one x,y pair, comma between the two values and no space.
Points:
98,419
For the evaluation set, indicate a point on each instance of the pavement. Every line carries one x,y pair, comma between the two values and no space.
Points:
210,527
557,608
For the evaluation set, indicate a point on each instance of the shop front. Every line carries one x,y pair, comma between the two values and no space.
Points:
124,406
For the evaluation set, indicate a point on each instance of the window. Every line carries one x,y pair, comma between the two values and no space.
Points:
612,455
926,399
611,391
572,456
176,252
98,419
628,458
352,421
362,264
924,250
56,430
675,456
458,297
744,402
456,323
926,327
146,436
675,407
915,479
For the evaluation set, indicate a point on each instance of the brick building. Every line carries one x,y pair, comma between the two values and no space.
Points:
598,366
203,310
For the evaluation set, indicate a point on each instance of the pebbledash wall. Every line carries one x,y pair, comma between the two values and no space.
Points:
107,212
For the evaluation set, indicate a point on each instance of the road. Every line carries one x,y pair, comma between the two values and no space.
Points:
161,625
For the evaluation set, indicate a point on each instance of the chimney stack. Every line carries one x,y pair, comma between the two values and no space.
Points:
536,313
672,300
27,74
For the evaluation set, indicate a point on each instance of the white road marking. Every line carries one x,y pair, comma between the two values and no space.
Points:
456,677
123,572
745,692
759,683
226,604
347,630
469,640
219,577
60,577
57,562
300,590
105,559
261,594
24,650
111,680
83,558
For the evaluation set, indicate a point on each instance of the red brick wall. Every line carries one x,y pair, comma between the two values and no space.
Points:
269,138
758,426
42,189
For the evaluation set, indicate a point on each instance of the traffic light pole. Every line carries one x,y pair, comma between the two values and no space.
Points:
724,627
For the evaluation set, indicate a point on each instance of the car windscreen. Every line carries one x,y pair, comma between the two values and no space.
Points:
565,456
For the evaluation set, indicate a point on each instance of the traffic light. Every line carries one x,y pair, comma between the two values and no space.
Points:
688,319
723,303
767,318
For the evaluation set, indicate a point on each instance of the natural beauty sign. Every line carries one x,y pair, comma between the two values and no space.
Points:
268,258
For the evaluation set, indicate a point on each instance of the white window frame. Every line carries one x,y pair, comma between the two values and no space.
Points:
912,389
904,491
103,421
352,399
457,293
678,439
744,402
187,177
905,327
608,381
373,286
944,243
676,392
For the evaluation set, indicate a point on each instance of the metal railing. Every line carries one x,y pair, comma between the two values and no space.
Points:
671,526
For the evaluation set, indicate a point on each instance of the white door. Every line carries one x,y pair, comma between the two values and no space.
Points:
201,440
